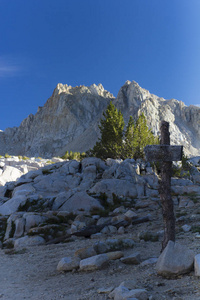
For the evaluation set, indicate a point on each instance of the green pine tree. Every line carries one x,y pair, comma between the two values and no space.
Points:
142,136
111,127
128,151
114,144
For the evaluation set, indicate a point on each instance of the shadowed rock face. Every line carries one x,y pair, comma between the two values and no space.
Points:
70,117
184,121
68,121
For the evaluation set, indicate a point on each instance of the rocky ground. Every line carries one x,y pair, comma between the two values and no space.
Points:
31,273
31,217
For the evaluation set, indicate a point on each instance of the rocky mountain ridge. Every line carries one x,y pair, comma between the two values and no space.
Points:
70,117
184,120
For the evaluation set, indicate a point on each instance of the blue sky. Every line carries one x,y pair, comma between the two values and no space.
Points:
76,42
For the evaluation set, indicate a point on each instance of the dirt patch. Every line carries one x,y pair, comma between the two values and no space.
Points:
31,274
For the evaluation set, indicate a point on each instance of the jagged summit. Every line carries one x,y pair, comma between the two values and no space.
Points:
94,89
69,120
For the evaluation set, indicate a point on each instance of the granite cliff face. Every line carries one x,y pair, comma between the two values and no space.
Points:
70,117
68,121
184,120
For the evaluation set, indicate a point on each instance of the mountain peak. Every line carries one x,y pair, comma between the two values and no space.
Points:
97,90
69,120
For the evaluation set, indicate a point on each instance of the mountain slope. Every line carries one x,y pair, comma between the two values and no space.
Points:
70,117
184,120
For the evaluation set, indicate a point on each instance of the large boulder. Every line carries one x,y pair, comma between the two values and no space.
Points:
118,187
12,205
81,201
187,189
176,259
54,182
89,161
33,219
23,189
126,171
94,262
29,241
70,167
61,199
11,225
180,181
133,259
9,174
123,293
68,264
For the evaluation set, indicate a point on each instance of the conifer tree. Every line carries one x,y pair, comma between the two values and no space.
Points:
129,139
114,144
142,136
111,127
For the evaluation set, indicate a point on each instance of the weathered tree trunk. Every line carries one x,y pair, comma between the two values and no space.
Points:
165,191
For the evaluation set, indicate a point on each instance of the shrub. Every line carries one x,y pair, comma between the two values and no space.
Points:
74,155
